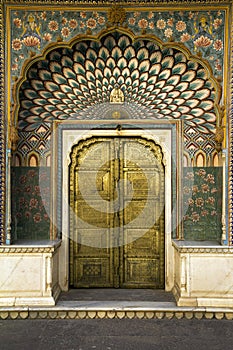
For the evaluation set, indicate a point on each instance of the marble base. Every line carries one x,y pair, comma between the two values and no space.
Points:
203,274
29,274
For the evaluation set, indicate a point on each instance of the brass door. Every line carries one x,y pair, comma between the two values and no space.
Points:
117,213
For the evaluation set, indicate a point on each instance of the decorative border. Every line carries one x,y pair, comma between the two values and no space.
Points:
30,249
230,137
113,2
203,250
2,133
179,313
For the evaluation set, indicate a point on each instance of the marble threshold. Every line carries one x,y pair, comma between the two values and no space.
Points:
114,309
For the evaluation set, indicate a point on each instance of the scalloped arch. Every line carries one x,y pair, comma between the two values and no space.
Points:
73,80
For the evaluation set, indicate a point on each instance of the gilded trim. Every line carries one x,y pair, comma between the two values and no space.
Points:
121,2
230,137
2,131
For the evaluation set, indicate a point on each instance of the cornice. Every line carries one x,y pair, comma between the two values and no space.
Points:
202,249
30,249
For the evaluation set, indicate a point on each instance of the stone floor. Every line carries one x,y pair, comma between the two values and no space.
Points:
81,304
114,294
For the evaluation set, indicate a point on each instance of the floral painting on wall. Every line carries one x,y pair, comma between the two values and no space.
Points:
202,203
30,203
202,32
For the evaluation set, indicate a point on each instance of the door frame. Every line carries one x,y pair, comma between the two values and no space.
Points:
167,134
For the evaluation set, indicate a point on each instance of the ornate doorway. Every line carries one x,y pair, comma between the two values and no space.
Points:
116,194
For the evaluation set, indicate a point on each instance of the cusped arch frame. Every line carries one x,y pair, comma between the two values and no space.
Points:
219,110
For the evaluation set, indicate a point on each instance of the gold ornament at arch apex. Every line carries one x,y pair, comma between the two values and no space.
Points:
116,15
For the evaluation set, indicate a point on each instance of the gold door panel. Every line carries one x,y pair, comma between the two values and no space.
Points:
117,213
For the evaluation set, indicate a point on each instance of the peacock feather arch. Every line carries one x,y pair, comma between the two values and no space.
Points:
74,80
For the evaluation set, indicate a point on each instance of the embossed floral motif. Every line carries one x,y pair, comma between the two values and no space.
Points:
143,23
47,37
204,212
53,25
217,22
91,23
190,175
218,45
14,66
210,178
132,21
185,37
199,202
218,66
168,32
73,23
95,14
33,203
195,189
210,200
37,218
150,15
195,217
201,172
161,24
65,32
151,25
64,21
180,26
101,20
205,188
31,41
43,15
83,14
16,44
170,22
203,41
190,202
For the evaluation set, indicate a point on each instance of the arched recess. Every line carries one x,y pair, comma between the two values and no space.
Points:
215,159
17,160
187,160
33,160
73,80
159,81
200,159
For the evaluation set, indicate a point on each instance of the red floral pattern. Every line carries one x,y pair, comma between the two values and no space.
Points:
202,203
30,202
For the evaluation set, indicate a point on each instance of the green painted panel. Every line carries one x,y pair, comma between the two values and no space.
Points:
30,203
202,199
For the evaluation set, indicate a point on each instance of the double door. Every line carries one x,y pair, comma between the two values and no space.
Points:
116,213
